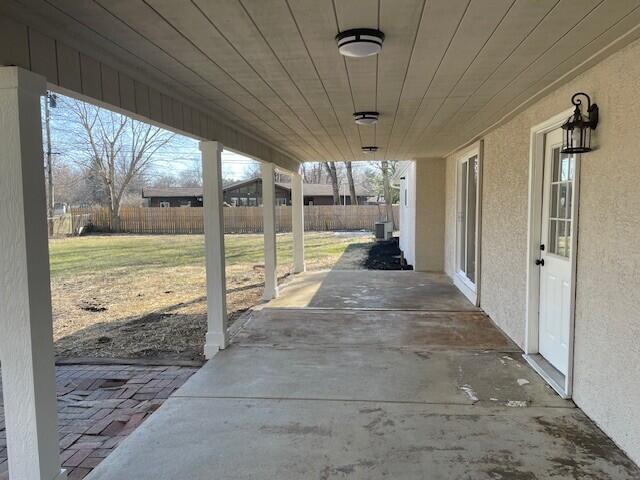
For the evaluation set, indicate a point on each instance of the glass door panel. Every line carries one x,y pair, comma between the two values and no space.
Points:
467,208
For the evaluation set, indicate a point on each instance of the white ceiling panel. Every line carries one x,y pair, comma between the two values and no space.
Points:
449,69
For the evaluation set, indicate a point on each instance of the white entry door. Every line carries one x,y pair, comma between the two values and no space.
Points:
556,251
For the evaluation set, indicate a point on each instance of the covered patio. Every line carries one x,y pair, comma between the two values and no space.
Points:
351,374
398,390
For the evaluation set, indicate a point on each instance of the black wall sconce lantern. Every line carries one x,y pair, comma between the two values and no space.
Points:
577,129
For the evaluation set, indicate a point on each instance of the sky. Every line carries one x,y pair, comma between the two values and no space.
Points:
234,165
181,153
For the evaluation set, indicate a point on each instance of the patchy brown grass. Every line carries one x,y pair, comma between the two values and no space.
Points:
144,297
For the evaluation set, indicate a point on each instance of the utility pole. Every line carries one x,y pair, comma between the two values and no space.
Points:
50,101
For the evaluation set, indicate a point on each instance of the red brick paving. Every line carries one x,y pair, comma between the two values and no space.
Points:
98,406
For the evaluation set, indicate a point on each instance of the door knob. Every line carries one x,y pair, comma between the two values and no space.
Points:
540,262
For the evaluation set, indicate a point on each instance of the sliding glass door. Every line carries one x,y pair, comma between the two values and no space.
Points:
467,207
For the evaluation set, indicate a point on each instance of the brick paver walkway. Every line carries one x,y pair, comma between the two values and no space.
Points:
98,406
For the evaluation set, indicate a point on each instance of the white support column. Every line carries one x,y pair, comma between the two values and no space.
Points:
269,227
297,222
26,330
214,248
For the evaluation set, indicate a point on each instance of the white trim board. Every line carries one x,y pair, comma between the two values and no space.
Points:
534,232
463,285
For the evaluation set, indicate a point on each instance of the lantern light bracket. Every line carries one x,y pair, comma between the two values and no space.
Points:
578,127
592,108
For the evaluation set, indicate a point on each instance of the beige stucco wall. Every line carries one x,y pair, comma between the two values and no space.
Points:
450,216
429,214
607,334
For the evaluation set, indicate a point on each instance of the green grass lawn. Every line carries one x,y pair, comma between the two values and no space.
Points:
95,254
137,296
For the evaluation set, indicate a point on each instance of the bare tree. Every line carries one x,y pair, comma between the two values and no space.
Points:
253,170
333,176
381,181
352,186
386,184
191,177
117,149
312,172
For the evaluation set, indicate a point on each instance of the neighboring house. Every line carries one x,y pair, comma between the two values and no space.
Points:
172,197
248,193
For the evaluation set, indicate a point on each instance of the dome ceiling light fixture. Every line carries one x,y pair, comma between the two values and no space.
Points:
370,149
360,42
366,118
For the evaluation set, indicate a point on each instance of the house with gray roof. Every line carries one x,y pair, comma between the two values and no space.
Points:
248,193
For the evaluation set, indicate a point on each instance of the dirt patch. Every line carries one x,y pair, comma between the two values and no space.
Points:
140,317
158,310
385,256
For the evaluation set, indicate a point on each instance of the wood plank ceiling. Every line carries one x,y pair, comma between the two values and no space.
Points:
448,69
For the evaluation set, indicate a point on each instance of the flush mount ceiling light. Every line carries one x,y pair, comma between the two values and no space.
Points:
366,118
360,42
370,149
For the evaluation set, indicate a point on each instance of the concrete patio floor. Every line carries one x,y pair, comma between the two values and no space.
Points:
386,387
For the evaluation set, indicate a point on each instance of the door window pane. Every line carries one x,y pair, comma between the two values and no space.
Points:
562,201
572,168
567,239
564,168
569,209
552,236
553,212
561,239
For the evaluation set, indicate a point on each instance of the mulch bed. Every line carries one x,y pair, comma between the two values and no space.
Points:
385,256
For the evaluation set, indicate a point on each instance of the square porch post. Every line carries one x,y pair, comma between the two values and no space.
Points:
217,335
26,330
297,222
269,228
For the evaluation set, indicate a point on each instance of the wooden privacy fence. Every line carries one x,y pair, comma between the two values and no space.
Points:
69,224
180,220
